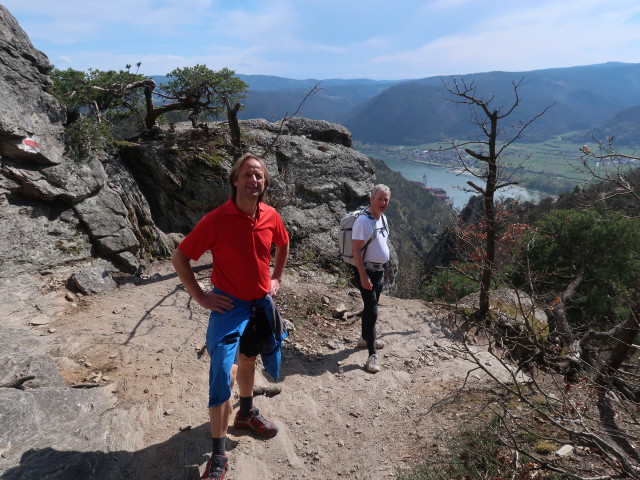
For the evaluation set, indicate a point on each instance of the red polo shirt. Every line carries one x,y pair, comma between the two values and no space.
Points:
240,247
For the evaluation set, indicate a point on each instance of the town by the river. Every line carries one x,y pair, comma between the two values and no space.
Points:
454,183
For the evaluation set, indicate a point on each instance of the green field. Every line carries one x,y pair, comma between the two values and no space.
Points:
550,167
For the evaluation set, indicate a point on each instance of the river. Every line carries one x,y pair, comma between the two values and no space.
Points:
452,182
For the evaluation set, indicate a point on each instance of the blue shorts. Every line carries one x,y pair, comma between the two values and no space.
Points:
223,336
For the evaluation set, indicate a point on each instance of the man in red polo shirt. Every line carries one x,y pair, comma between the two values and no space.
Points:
243,317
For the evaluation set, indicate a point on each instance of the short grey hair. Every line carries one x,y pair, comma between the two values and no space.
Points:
380,186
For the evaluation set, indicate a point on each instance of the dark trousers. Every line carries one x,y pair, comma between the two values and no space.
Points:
370,312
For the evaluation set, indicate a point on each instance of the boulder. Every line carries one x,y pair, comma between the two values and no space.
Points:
31,122
22,363
92,280
513,308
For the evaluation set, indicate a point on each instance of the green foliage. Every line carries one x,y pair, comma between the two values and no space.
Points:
472,454
97,93
118,98
605,248
448,286
205,90
99,105
545,447
85,135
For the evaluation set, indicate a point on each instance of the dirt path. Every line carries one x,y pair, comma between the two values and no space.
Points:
335,418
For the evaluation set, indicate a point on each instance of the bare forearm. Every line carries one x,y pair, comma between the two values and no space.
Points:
282,254
182,265
209,300
356,249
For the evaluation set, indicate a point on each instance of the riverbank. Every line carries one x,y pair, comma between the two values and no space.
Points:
452,180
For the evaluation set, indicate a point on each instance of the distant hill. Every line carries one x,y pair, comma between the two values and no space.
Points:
593,98
274,97
406,114
269,82
624,126
583,97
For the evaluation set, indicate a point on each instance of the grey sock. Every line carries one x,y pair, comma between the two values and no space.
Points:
218,446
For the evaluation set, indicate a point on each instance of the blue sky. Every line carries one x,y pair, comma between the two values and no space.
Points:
321,39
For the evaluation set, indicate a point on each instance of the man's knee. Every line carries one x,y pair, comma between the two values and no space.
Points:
246,362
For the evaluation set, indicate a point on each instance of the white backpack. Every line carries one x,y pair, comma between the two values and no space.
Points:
346,231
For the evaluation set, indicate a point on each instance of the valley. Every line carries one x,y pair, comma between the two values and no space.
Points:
541,169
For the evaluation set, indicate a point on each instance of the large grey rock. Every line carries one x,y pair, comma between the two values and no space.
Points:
53,208
320,130
313,182
31,121
68,181
36,236
23,363
65,433
105,217
92,280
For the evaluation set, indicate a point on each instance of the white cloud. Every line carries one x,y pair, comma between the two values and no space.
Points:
562,34
358,38
66,21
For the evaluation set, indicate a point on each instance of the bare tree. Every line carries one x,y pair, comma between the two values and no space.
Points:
489,151
618,174
313,90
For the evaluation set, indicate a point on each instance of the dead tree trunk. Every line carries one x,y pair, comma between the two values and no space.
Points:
490,153
234,127
490,216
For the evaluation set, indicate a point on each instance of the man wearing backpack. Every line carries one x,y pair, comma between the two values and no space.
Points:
371,255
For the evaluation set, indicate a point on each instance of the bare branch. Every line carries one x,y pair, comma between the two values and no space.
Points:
314,89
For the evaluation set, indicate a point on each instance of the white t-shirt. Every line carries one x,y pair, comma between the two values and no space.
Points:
378,250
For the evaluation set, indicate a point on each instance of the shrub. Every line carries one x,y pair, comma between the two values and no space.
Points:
448,286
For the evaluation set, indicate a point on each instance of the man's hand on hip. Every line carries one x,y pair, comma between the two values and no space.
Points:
216,302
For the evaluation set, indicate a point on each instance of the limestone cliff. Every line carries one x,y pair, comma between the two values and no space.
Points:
122,206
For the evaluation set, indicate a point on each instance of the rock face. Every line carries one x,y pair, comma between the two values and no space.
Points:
79,222
55,211
313,183
125,207
31,121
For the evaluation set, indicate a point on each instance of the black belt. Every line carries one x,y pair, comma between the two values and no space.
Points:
374,266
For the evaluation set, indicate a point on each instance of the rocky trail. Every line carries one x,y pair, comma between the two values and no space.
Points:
141,388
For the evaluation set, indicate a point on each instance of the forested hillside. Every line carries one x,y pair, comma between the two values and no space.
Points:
415,112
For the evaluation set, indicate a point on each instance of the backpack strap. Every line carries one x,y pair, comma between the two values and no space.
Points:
373,233
384,223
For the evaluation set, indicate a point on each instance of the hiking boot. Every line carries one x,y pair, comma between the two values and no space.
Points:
362,343
216,468
255,423
372,364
